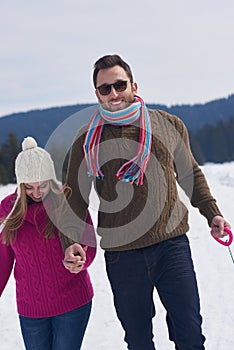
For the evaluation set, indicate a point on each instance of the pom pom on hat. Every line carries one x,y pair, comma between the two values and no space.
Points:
33,163
28,143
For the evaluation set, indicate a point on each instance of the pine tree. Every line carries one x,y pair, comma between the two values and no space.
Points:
9,152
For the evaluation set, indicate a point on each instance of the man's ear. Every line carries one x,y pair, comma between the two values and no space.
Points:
134,88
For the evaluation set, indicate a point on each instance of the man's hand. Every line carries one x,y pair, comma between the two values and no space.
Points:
74,258
217,226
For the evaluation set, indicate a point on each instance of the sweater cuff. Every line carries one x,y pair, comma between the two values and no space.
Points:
210,211
65,241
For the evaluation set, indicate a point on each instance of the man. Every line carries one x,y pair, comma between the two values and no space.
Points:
134,157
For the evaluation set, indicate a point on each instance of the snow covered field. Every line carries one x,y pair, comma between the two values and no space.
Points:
215,274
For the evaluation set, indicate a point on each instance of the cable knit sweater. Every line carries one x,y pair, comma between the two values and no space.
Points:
44,287
130,216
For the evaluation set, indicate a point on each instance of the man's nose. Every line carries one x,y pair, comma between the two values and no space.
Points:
113,92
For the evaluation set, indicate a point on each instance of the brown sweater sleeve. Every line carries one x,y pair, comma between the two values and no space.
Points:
65,241
190,176
77,179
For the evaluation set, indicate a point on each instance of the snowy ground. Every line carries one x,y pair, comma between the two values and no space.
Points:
215,273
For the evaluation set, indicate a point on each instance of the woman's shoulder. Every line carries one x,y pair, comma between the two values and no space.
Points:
8,202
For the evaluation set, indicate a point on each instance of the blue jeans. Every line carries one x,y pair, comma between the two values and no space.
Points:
62,332
168,267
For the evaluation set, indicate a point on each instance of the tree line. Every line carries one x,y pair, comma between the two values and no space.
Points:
211,143
214,143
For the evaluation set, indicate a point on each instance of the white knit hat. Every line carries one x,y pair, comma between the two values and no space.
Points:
33,164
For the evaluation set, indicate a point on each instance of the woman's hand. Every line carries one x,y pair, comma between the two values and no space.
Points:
74,258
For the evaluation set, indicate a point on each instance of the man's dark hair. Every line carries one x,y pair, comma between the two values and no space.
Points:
110,61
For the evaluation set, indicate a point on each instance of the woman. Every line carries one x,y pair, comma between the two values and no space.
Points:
54,304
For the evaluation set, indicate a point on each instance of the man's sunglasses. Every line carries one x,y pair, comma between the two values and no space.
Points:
119,86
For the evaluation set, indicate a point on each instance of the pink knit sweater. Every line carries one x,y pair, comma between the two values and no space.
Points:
44,287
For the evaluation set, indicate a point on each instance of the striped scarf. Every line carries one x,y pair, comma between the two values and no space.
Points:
133,170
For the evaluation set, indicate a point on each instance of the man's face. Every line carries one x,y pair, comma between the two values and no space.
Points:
115,100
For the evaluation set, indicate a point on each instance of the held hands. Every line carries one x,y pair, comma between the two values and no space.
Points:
217,226
75,257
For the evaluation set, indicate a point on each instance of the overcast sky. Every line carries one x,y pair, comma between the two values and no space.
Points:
180,51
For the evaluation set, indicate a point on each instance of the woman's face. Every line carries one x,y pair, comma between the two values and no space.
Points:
37,190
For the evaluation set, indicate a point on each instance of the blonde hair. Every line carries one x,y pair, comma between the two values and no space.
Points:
16,218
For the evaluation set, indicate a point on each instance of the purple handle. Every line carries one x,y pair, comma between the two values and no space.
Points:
229,241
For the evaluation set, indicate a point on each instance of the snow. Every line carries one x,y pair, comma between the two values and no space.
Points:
215,274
